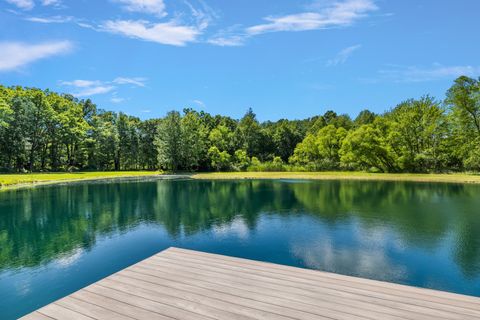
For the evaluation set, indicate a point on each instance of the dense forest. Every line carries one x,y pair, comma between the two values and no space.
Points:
46,131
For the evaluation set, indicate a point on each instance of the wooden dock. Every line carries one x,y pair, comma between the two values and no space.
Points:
184,284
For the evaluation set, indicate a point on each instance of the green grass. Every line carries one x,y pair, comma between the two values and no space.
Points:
15,180
452,178
8,181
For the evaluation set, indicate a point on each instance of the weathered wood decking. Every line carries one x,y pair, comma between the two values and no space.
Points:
184,284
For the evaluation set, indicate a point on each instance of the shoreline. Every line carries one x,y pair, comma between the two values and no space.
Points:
43,179
461,178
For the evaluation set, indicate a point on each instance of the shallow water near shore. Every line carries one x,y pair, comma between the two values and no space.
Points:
57,239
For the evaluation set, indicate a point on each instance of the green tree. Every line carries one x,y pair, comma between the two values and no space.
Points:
365,148
220,160
194,138
148,151
222,137
105,154
364,117
38,113
249,133
242,161
285,137
169,142
328,141
418,134
320,149
306,151
5,113
463,100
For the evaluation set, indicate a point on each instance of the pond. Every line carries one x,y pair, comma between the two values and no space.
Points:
57,239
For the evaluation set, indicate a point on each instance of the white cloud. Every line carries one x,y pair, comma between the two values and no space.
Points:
53,19
155,7
23,4
30,4
169,33
199,102
319,16
369,252
70,258
139,82
338,14
228,41
90,91
15,55
85,88
232,36
81,83
237,228
422,74
343,55
117,100
51,2
202,16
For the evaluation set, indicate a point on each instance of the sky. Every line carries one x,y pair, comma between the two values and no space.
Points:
283,58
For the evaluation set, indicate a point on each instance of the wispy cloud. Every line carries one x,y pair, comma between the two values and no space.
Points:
338,14
15,55
431,73
155,7
199,103
202,15
228,41
30,4
230,37
85,88
51,19
22,4
117,100
54,3
140,82
81,83
343,55
90,91
318,15
170,33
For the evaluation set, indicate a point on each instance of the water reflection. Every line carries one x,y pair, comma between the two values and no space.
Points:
404,232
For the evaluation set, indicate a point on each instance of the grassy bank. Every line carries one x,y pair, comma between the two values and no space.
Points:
17,180
8,181
452,178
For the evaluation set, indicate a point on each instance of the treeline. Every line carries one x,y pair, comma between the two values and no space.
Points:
47,131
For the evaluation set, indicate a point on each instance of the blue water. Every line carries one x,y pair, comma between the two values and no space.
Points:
57,239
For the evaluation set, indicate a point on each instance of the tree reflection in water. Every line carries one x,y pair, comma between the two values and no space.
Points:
42,224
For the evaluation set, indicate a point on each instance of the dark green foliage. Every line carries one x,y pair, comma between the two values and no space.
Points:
364,117
45,131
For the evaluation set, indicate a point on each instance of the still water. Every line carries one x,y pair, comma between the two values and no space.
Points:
57,239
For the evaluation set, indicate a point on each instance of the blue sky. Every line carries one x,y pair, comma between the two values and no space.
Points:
283,58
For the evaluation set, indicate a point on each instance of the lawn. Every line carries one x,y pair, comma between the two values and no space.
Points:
453,178
11,180
8,181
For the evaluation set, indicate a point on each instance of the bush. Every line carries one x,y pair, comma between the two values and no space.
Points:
242,161
275,165
220,161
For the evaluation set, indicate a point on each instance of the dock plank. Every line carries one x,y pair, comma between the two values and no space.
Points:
251,278
184,284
